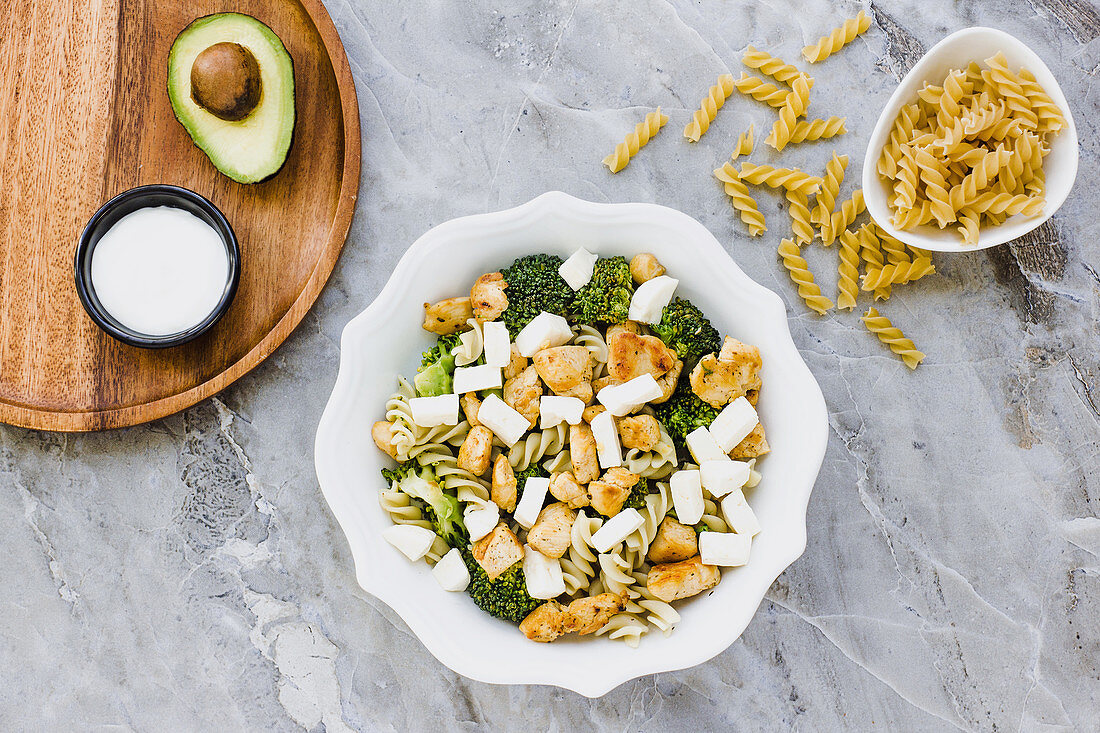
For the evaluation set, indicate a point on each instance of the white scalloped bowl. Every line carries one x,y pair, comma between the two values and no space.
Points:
956,51
386,339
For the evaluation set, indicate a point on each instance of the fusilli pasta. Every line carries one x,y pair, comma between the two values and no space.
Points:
837,38
635,141
891,336
803,278
708,108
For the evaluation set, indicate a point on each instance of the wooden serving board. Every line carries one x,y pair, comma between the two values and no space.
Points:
84,115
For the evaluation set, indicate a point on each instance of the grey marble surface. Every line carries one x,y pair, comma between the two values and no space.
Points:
187,575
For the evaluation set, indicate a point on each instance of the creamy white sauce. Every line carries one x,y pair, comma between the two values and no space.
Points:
160,270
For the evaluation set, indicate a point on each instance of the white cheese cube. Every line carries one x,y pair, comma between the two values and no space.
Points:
703,447
739,515
413,542
622,399
481,520
733,424
687,496
616,529
609,451
543,574
723,476
724,548
497,345
544,331
429,412
650,299
477,378
498,416
530,503
577,270
554,410
450,572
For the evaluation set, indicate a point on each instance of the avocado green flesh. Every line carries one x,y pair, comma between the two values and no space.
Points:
255,148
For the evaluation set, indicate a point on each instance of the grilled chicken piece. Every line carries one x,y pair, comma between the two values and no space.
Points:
566,370
591,411
516,365
645,267
673,581
631,355
550,533
564,487
605,381
718,380
624,327
503,492
582,451
639,431
522,393
609,493
447,316
673,542
470,405
589,615
668,381
545,623
476,450
753,446
753,396
382,432
487,297
498,551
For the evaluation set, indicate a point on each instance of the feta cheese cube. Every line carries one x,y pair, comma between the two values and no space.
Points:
413,542
723,476
477,378
577,270
650,299
530,503
543,574
724,548
429,412
451,572
622,399
544,331
505,422
687,496
734,423
616,529
703,447
554,410
739,515
609,451
497,344
481,519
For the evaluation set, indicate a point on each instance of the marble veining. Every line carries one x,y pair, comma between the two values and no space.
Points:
187,575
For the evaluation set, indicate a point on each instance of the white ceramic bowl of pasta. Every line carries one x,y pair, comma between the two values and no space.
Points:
386,340
956,51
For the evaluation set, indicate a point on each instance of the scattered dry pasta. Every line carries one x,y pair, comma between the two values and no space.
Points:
708,108
818,129
837,38
798,206
789,178
848,270
891,335
635,141
741,199
802,277
772,66
969,152
898,274
761,90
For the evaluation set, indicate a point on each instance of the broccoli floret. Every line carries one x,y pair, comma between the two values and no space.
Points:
441,509
685,330
534,286
506,597
683,413
437,368
533,471
606,297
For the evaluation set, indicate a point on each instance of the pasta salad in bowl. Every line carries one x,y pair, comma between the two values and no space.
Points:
601,433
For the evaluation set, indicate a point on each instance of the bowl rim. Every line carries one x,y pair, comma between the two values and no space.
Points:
947,240
131,200
330,441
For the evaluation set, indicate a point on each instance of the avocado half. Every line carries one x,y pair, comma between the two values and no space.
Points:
254,148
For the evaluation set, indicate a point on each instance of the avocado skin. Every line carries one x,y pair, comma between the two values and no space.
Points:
203,128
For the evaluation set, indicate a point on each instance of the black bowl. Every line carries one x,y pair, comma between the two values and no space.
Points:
128,202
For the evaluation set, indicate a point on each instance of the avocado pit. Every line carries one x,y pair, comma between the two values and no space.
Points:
225,81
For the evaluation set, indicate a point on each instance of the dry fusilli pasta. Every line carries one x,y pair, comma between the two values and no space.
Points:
635,141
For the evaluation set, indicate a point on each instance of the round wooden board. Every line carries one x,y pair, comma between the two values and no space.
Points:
84,114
